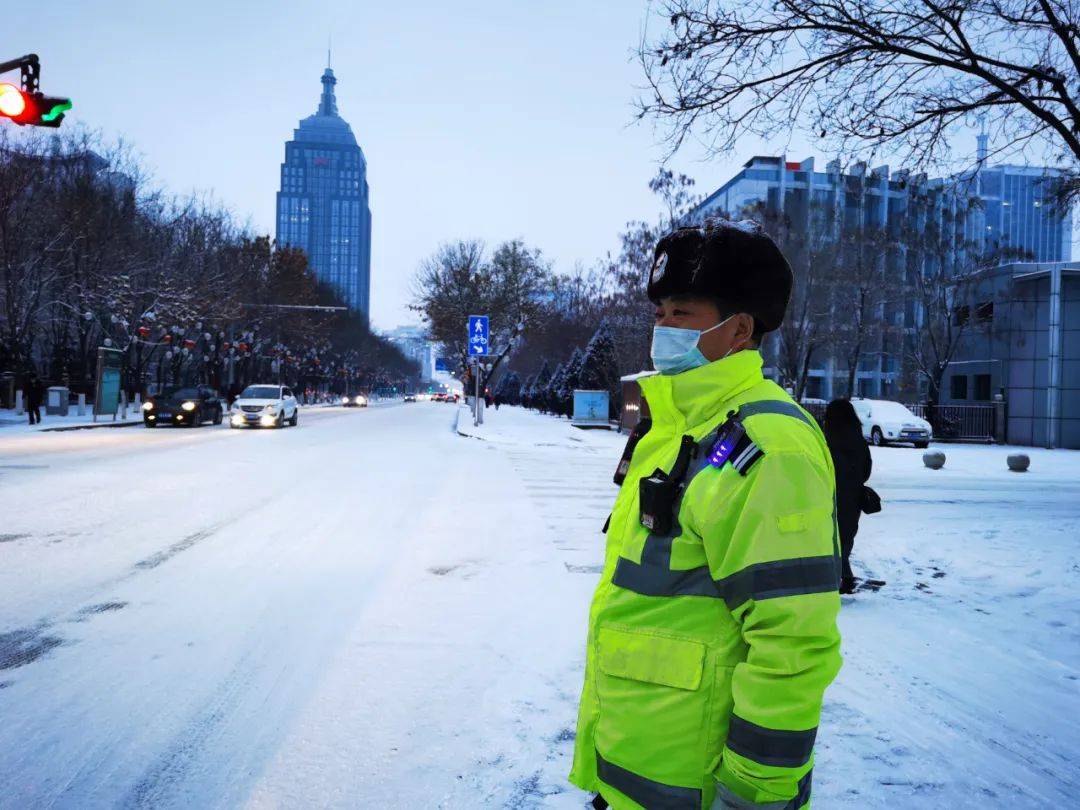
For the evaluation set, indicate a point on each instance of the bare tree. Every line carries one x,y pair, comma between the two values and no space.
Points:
91,257
812,249
459,280
870,73
939,282
29,236
864,288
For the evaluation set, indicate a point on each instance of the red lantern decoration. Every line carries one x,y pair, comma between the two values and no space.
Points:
189,343
226,345
167,339
144,332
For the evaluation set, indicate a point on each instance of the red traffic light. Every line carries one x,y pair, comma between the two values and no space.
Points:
35,109
12,101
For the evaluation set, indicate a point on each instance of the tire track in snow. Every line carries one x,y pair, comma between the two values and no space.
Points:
27,644
171,769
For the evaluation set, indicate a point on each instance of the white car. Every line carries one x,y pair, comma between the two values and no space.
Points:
264,405
885,422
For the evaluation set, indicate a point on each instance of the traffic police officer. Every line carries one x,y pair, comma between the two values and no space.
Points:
712,633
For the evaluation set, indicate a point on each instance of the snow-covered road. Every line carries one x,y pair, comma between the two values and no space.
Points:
371,610
356,612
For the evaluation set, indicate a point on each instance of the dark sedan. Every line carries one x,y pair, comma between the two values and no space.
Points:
183,407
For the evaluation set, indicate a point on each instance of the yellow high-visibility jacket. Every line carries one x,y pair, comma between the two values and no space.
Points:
710,646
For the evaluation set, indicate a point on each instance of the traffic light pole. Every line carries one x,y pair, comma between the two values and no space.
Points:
27,105
30,68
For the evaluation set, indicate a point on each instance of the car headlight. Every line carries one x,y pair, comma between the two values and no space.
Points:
344,400
360,400
148,406
188,406
270,408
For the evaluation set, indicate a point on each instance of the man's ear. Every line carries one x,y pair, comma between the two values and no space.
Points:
744,330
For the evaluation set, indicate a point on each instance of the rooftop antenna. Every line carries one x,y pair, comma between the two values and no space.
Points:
329,43
983,142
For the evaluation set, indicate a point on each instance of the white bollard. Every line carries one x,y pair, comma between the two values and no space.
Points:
19,404
82,405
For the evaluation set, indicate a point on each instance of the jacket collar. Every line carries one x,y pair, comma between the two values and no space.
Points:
694,397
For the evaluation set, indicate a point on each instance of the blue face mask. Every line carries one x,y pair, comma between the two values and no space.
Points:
675,350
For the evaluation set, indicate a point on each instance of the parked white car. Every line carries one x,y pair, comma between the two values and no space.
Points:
264,405
885,422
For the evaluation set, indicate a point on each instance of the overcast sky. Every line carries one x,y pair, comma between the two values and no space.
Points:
490,119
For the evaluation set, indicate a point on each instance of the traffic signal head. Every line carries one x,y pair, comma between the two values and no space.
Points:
12,101
33,109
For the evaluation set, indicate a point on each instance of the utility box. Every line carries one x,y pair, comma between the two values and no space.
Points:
56,401
591,409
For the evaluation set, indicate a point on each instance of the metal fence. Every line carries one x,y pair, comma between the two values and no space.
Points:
958,423
963,423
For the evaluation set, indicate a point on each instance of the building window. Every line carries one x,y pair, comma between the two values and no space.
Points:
961,315
984,312
982,387
959,386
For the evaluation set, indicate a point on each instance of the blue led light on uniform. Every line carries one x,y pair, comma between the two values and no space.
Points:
725,445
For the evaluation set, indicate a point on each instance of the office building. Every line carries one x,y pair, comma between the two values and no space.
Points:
323,206
991,216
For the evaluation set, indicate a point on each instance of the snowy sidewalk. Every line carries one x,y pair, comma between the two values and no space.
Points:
960,683
11,424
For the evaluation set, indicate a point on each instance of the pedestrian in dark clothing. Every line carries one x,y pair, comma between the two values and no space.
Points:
33,398
851,459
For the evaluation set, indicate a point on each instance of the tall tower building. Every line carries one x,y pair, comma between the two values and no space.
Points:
323,204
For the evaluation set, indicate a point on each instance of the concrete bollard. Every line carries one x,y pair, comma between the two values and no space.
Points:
934,460
81,408
19,404
1018,462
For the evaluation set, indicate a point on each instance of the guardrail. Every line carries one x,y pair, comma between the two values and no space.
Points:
958,423
964,423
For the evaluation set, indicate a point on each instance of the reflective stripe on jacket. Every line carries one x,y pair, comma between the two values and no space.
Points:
710,647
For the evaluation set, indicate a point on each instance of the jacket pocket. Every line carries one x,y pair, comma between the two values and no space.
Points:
644,656
653,692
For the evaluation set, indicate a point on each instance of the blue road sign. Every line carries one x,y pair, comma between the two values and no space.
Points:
478,335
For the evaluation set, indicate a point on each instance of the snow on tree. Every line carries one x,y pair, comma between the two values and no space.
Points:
571,380
600,367
554,387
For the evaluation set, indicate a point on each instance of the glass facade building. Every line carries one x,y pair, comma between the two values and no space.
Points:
323,205
1006,210
995,215
1021,218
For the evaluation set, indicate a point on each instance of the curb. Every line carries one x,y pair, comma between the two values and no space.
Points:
89,427
460,432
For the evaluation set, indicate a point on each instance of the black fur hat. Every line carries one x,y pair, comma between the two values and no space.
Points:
736,263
